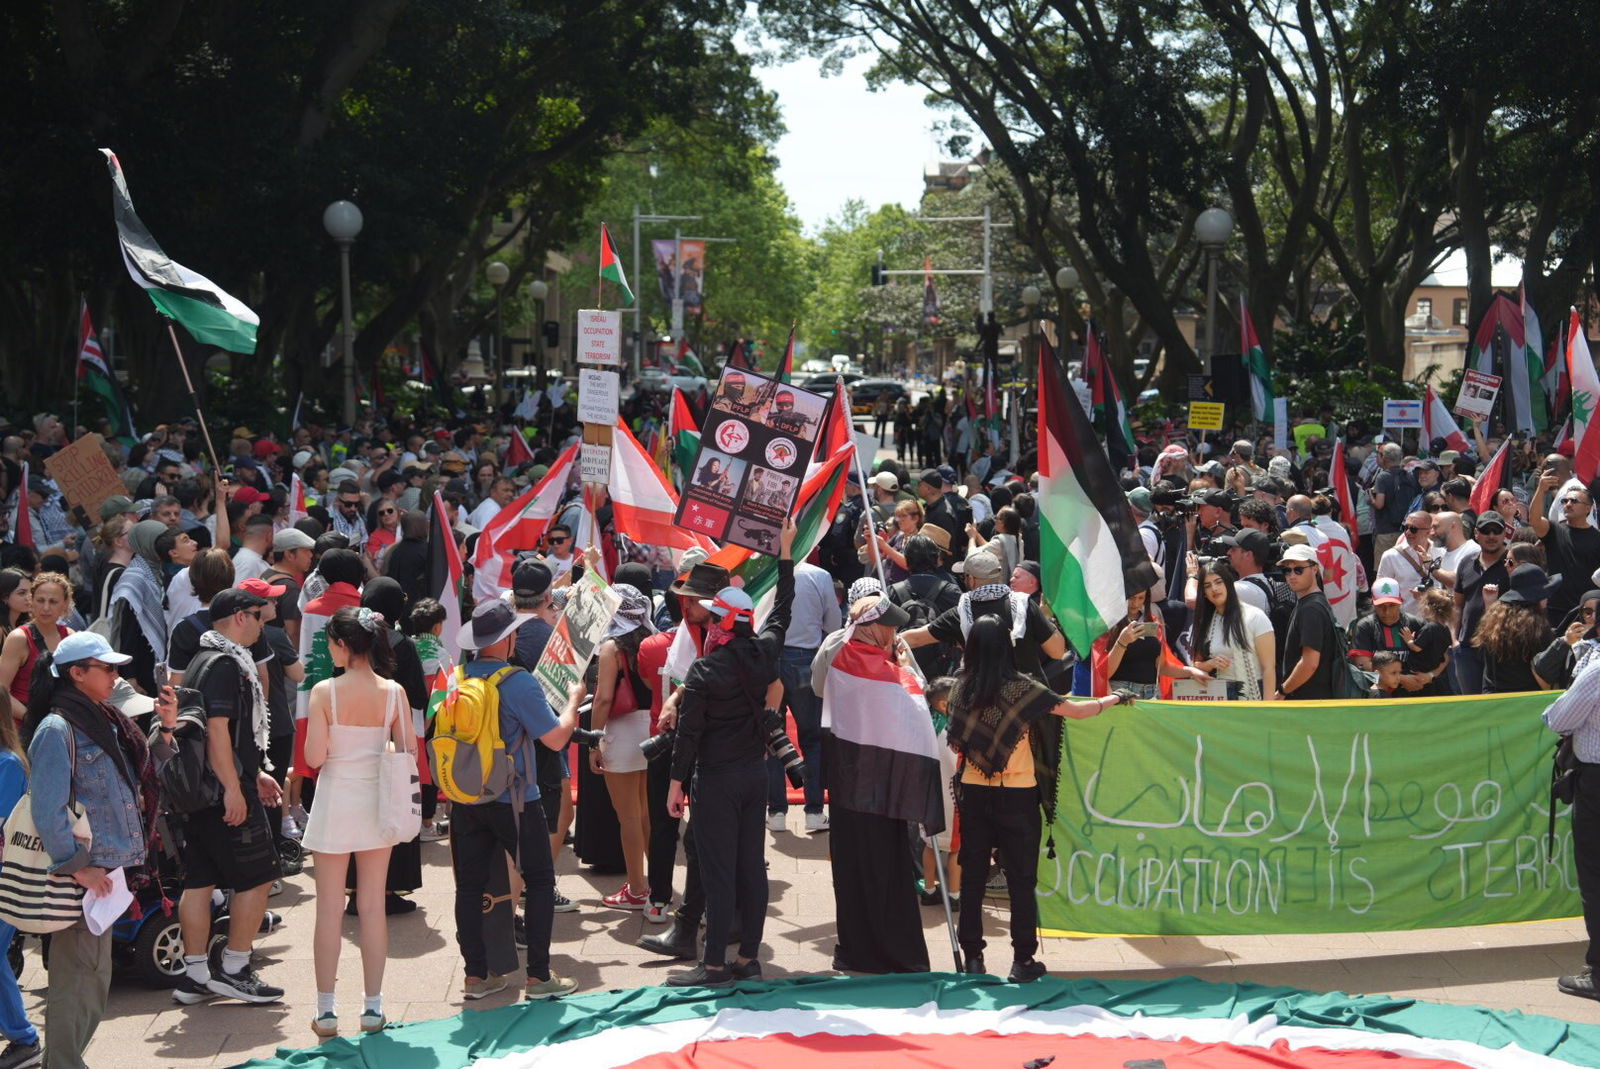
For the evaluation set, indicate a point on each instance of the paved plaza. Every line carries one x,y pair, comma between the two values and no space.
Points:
1507,967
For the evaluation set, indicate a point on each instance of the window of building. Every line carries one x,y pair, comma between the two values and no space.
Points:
1424,306
1458,312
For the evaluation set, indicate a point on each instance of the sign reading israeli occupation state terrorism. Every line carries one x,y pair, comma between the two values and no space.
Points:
84,474
757,440
598,393
591,604
599,337
1225,818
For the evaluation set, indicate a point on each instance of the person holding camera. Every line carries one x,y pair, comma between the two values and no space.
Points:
721,744
1413,560
1212,519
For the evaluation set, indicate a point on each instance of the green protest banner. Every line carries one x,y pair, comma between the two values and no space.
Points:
1227,818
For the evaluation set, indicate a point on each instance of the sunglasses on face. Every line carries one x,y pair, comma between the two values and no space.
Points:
1572,501
386,512
558,540
100,665
349,504
1589,611
1410,529
1297,571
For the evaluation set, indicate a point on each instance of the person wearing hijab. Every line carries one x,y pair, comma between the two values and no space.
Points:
139,621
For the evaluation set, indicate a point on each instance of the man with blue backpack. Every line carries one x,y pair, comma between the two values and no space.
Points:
482,752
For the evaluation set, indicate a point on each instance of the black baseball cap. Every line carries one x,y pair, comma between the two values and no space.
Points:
234,600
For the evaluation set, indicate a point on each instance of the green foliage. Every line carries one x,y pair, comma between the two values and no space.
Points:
1324,363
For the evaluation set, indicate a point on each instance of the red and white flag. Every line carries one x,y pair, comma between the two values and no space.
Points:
1342,493
1438,423
517,451
297,500
642,502
519,526
1585,395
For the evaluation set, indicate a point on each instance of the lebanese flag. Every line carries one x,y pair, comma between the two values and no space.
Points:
519,526
22,518
297,500
1342,493
1089,547
611,265
1491,479
642,501
887,761
517,451
1438,423
1585,394
444,576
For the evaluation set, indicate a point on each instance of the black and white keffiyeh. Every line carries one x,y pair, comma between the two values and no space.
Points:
215,640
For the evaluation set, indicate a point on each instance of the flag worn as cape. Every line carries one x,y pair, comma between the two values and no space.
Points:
519,526
1585,395
1255,362
885,760
611,265
444,567
1091,555
208,312
1437,422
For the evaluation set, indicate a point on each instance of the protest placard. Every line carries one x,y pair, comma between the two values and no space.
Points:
599,337
1205,415
1402,415
754,448
84,474
1478,391
598,393
591,604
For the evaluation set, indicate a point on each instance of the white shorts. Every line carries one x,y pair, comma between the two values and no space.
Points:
619,751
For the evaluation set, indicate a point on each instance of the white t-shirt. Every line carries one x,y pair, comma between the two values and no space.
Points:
1396,564
247,564
1251,594
1246,668
487,510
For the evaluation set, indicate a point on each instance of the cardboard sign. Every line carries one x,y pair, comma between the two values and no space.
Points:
1402,415
591,604
594,463
1205,415
754,448
599,337
1205,690
84,474
1478,391
598,393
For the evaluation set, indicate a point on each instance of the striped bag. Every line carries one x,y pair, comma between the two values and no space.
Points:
32,898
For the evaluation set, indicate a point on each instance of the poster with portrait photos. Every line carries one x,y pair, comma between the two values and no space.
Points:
757,440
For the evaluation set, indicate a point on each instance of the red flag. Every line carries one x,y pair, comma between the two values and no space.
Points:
22,522
1342,494
737,357
1438,423
517,451
1491,480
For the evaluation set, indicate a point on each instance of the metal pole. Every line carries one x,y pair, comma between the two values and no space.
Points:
986,295
944,893
1211,309
499,347
349,338
638,300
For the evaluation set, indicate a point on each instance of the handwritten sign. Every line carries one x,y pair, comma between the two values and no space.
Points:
594,463
599,337
591,604
85,475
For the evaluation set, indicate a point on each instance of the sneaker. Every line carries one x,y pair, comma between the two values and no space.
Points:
325,1026
1023,972
555,987
277,889
243,985
21,1056
474,988
996,887
750,970
658,912
565,904
816,822
187,992
271,921
372,1021
288,828
777,822
931,897
626,899
298,814
1582,985
435,832
701,976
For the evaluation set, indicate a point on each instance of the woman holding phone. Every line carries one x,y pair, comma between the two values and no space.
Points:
1134,655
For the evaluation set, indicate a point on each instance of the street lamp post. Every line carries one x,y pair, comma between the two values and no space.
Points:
1211,229
498,274
538,290
342,220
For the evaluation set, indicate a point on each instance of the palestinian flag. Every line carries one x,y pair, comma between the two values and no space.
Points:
818,500
1255,362
683,431
611,265
786,367
96,377
737,356
444,576
885,759
1495,475
210,314
1585,394
1437,422
948,1021
519,525
441,691
1503,318
1089,547
1110,414
1529,374
688,360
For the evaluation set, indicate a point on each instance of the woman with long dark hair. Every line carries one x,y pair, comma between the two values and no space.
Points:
1232,640
1134,653
1513,631
992,711
14,602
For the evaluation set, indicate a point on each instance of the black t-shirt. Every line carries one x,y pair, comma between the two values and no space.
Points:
1373,635
289,600
1026,654
1139,660
184,641
1398,492
1574,554
228,697
279,709
1470,579
1311,624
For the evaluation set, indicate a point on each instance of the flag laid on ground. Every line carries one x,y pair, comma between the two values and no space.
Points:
1090,552
209,313
517,451
95,376
519,525
1437,422
642,501
22,515
1585,395
444,574
1255,362
611,265
1340,476
887,760
1528,373
950,1021
1110,414
683,431
1501,317
1495,475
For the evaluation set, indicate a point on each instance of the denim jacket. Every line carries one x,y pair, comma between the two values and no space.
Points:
112,806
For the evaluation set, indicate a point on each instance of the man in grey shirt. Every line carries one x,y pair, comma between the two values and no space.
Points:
816,614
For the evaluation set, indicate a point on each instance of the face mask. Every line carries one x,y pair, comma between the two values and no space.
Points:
715,636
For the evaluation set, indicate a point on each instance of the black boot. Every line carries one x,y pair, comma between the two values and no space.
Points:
679,941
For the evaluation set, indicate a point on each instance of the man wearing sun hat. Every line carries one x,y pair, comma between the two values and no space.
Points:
481,835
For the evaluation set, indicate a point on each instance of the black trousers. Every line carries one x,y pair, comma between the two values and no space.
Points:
1586,854
481,836
874,894
730,828
662,853
1008,818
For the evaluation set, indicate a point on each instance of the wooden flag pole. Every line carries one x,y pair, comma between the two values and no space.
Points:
205,431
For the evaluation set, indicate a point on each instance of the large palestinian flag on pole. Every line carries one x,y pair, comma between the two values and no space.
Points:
209,313
1089,547
933,1021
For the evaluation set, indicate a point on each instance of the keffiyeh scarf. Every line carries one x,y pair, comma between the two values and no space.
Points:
139,587
215,640
992,592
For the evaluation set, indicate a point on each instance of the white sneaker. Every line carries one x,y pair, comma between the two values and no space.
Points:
433,833
288,828
658,912
777,821
816,822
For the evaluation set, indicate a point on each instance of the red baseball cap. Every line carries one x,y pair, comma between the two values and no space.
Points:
250,495
261,588
266,447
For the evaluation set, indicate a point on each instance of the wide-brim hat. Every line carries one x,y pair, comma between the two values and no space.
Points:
491,621
703,581
1529,584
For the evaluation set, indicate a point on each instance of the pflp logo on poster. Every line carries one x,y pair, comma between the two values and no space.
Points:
754,448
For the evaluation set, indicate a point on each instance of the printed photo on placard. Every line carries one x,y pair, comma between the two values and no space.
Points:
718,474
759,535
739,392
792,411
770,489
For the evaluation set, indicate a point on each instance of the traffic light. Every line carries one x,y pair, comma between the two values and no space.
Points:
552,333
880,277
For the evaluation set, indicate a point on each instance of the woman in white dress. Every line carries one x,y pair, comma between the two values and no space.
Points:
352,719
1233,640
